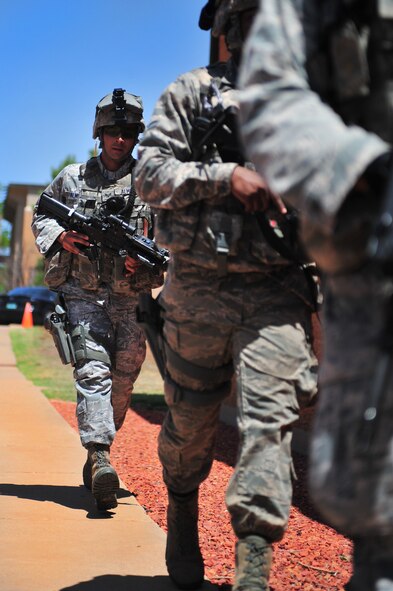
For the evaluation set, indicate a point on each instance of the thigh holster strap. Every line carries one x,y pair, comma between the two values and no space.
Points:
175,393
216,375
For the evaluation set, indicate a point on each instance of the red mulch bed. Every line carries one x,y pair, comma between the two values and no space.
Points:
311,557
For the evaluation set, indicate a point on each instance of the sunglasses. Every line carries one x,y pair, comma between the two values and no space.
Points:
127,133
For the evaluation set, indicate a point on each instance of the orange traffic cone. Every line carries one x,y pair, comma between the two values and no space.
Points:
27,319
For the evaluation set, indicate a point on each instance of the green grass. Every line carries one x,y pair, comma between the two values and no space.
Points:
38,360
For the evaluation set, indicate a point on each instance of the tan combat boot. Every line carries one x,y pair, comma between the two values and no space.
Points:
253,562
104,480
183,556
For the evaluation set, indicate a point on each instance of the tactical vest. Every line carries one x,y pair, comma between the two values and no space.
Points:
350,63
102,266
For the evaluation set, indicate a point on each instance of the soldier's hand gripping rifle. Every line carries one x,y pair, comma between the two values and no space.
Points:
108,230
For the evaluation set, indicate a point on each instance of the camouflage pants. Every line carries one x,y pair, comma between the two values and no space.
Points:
352,483
104,390
265,330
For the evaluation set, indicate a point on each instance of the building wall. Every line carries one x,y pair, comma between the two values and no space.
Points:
18,210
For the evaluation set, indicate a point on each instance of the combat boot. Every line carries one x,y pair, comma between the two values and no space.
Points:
372,565
183,556
104,480
361,579
253,562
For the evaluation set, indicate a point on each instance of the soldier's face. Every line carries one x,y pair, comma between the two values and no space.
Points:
244,23
117,145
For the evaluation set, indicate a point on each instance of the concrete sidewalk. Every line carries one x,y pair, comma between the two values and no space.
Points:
51,536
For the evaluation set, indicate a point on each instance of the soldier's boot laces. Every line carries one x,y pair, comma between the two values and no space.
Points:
183,556
104,479
253,563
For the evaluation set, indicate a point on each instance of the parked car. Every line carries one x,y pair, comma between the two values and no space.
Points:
12,304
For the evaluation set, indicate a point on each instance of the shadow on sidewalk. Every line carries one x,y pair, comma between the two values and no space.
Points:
73,497
130,583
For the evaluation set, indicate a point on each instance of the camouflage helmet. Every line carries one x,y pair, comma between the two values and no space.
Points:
225,9
118,108
221,17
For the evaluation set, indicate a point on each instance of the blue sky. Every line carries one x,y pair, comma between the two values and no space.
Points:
58,58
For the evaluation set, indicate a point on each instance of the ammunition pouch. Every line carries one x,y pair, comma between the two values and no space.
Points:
176,229
57,268
86,270
224,231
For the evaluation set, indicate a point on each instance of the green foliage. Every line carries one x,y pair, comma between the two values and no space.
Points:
5,236
5,229
5,240
70,159
37,358
3,278
39,273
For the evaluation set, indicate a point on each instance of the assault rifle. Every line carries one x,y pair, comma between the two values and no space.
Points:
109,230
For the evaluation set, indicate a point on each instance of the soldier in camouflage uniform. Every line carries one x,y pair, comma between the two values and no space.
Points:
329,167
232,307
101,292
